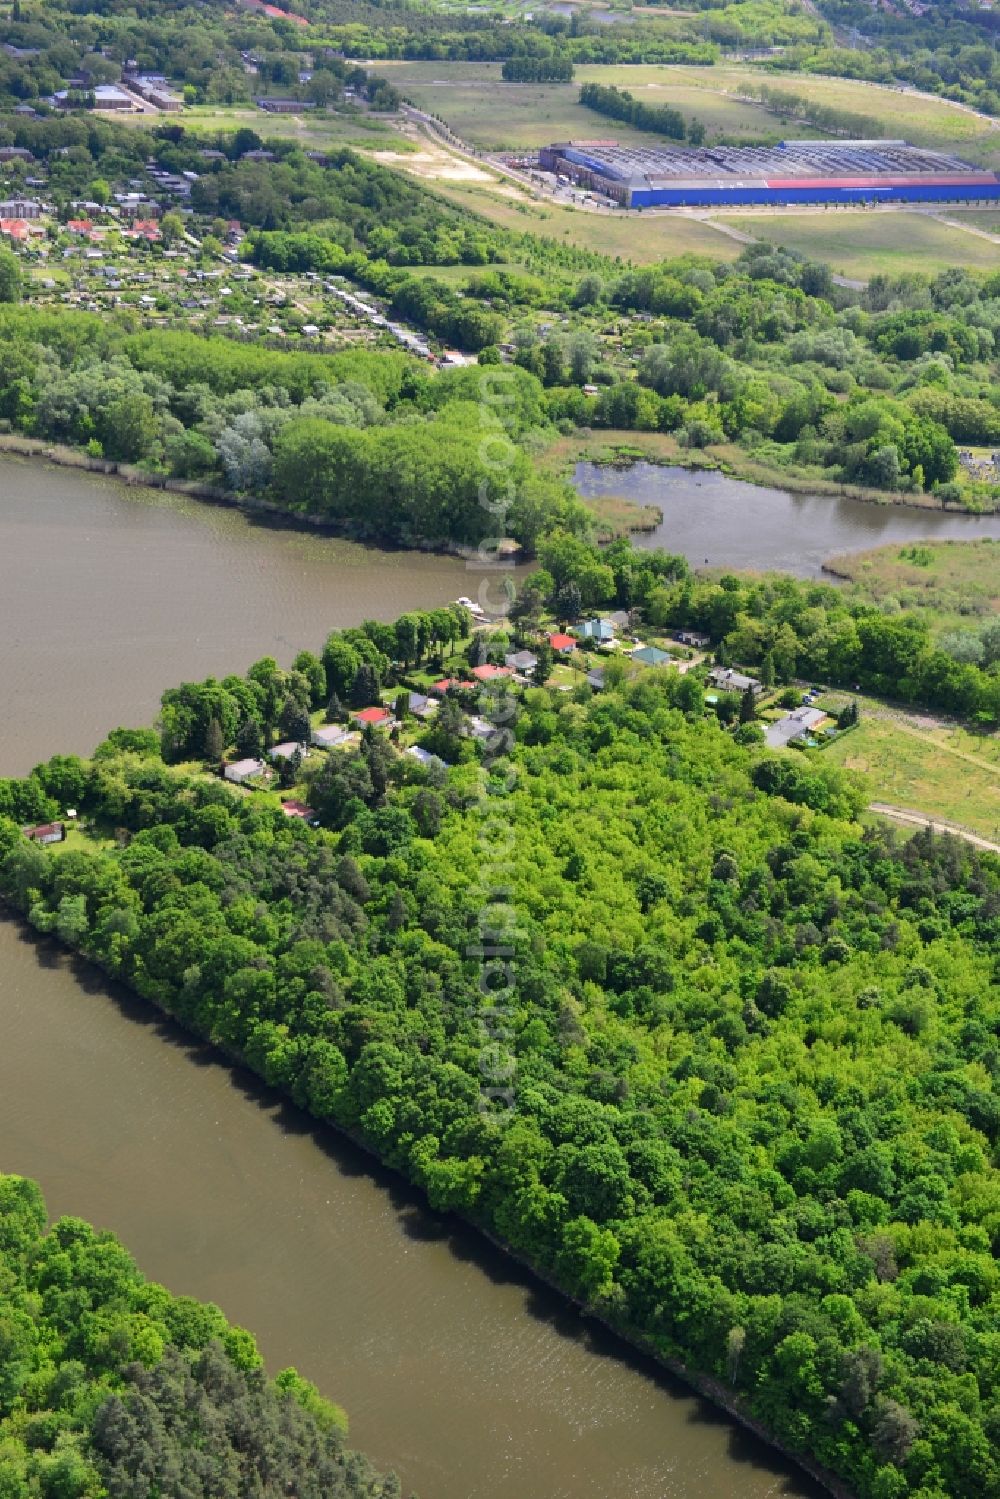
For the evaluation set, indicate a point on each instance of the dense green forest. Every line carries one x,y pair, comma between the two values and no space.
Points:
109,1385
642,999
370,441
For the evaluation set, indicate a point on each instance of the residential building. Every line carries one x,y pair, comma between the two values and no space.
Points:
288,750
601,630
651,655
243,770
46,832
488,672
20,208
522,661
563,645
795,725
293,808
379,718
421,706
329,734
424,756
728,680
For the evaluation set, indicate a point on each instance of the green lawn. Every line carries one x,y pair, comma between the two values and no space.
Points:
860,243
948,774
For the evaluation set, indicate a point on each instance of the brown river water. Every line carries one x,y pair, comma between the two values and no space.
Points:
456,1369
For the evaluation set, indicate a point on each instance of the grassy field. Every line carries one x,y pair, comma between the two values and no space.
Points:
640,238
860,243
487,112
943,772
458,275
978,219
950,584
924,121
309,129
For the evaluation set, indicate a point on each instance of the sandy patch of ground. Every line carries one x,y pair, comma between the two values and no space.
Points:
434,165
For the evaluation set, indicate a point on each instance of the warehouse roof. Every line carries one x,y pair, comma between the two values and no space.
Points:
788,163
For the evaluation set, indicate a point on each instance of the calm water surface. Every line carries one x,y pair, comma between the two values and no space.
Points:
109,594
456,1369
714,520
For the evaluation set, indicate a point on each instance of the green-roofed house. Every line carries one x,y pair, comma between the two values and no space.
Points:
651,655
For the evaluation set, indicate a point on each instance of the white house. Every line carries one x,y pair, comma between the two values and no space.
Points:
288,750
243,770
424,756
728,680
329,734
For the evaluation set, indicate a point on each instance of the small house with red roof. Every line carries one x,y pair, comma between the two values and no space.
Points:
487,672
16,229
446,684
293,808
381,718
46,832
562,644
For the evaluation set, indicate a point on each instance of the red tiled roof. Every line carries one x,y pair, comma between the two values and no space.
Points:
284,15
446,684
488,672
372,715
293,808
562,642
79,226
15,228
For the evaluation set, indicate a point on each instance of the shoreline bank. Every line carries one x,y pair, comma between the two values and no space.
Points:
16,445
